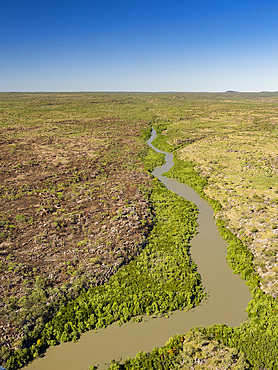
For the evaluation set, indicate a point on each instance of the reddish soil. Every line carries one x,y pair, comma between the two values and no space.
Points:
71,215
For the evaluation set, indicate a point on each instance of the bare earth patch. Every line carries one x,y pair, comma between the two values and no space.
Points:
232,141
73,208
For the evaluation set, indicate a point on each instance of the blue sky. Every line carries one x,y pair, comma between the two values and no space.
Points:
100,45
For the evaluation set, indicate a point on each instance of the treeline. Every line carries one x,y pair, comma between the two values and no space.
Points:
161,279
150,157
160,358
258,338
192,350
160,141
184,172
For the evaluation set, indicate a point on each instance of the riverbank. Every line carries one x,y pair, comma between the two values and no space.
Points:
256,339
159,280
218,307
35,129
73,209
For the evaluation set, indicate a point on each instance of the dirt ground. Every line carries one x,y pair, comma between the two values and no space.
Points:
73,208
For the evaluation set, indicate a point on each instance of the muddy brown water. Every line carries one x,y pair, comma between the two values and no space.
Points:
227,300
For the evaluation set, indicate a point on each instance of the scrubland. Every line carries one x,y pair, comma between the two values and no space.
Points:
72,211
231,140
78,204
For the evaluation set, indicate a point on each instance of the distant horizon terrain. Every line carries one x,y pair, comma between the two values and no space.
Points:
140,91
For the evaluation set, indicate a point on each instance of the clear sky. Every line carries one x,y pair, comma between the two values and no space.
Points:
138,45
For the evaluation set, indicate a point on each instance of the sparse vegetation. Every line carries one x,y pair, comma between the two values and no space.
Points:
193,350
73,208
231,141
161,279
257,339
77,206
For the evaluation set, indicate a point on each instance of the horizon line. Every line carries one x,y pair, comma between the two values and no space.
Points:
138,91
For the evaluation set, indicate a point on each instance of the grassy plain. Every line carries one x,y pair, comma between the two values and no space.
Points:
74,194
219,139
73,208
231,140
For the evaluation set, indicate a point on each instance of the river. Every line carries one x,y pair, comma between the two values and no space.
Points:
227,300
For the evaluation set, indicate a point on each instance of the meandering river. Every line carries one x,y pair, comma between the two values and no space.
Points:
228,297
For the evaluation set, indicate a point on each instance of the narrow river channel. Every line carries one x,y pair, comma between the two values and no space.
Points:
228,297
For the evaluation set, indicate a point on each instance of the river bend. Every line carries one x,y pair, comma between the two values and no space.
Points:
227,300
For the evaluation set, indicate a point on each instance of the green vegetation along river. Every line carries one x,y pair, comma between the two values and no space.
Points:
227,299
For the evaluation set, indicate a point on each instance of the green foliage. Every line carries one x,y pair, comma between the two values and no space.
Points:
258,341
146,134
162,278
150,157
185,173
161,141
160,358
258,338
239,257
153,159
192,350
68,144
209,119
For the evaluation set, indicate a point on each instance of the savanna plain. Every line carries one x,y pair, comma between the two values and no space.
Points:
89,237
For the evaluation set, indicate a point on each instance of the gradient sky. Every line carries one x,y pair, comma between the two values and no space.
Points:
101,45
